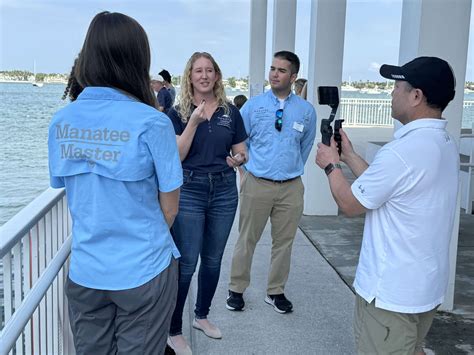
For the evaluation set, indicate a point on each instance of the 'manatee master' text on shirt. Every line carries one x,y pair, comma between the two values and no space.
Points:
97,137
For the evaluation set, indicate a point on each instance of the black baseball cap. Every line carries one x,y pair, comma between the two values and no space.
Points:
431,75
166,75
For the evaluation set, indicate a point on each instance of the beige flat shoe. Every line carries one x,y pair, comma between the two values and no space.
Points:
179,349
208,328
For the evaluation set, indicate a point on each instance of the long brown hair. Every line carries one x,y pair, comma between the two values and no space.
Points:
116,54
187,91
73,89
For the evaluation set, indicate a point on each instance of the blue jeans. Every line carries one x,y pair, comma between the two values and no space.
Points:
207,208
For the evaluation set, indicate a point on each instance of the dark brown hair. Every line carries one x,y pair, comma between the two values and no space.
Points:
73,89
292,58
116,54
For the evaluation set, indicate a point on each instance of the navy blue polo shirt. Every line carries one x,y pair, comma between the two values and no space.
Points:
164,99
213,139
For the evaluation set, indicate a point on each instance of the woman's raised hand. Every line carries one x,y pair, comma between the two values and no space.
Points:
198,114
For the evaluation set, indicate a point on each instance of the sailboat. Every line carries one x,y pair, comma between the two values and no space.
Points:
36,83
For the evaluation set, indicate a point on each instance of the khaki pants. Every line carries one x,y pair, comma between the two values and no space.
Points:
378,331
260,199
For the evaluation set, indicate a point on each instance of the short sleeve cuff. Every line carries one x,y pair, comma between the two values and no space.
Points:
177,183
362,200
56,182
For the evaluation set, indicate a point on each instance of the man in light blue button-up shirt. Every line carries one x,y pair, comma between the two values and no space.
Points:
281,127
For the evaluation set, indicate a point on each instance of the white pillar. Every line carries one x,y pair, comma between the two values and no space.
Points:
440,28
328,20
284,25
258,39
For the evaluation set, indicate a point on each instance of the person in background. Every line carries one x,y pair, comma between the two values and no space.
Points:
117,157
163,97
304,91
211,139
409,195
239,101
281,127
167,77
298,86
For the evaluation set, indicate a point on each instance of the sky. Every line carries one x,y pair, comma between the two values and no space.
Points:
51,33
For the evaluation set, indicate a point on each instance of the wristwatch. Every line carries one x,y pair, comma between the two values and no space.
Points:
330,167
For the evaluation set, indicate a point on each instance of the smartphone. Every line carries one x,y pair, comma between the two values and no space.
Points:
328,95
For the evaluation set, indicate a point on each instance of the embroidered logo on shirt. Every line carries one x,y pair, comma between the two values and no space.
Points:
361,189
261,112
224,120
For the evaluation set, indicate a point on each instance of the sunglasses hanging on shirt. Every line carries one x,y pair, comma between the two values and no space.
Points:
279,119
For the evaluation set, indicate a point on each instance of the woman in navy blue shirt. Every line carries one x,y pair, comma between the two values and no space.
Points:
211,140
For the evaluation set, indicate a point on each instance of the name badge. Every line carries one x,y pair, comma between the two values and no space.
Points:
298,126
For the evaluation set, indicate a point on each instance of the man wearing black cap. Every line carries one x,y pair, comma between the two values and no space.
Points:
168,85
409,196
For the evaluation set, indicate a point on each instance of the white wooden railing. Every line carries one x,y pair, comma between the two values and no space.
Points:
34,249
366,112
377,112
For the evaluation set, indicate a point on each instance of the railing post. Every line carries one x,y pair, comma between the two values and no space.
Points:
49,293
17,276
54,293
7,287
42,266
27,287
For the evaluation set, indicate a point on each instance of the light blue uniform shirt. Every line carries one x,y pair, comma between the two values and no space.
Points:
113,154
278,155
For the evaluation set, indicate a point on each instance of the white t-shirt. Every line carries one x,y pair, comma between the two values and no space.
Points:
410,190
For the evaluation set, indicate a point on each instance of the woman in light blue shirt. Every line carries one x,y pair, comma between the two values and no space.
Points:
117,157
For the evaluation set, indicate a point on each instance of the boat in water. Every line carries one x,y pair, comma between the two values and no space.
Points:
348,88
38,84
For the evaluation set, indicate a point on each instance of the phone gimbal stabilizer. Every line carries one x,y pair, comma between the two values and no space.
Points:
329,95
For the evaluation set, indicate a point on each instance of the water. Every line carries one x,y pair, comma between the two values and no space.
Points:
25,112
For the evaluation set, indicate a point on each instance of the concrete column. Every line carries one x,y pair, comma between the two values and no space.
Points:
440,28
284,25
326,52
258,39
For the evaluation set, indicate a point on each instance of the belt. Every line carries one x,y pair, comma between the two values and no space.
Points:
277,181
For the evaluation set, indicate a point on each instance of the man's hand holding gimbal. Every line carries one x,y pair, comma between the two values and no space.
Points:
327,154
350,157
347,150
327,158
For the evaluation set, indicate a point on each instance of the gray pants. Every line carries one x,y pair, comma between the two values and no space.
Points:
133,321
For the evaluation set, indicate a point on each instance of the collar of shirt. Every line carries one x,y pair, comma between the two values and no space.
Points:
435,123
276,99
104,93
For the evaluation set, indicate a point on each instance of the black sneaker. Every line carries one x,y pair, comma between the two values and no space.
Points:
280,303
235,301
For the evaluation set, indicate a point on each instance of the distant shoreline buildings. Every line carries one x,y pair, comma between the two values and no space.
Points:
22,76
236,84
